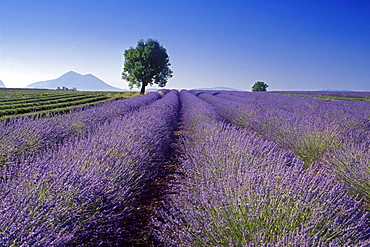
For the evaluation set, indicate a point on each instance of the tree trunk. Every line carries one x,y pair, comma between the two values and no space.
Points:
142,91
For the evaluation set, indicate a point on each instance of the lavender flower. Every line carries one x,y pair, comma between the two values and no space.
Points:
237,189
82,191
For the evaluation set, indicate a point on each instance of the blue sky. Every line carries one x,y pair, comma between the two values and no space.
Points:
291,45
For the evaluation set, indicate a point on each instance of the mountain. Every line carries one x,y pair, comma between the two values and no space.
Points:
2,84
72,79
336,90
218,89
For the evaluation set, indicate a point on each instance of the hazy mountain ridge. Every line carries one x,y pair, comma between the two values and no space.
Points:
337,90
72,79
218,88
1,84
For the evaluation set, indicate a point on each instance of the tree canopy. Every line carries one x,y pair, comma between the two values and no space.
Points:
147,64
259,86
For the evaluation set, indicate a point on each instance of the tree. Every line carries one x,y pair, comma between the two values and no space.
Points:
259,86
146,64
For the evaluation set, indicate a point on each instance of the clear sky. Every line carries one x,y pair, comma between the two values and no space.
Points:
291,45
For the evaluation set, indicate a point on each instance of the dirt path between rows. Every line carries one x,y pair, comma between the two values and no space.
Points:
155,192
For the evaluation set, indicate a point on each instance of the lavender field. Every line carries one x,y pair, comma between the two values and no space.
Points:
189,168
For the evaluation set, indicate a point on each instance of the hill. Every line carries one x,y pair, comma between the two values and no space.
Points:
72,79
218,89
2,84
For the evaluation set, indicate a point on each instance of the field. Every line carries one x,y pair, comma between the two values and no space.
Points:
21,102
330,95
190,168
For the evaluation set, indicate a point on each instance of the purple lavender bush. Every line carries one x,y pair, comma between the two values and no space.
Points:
352,164
310,127
81,192
344,94
197,118
317,131
25,135
241,190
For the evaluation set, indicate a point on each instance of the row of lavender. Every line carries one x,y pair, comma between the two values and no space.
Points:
335,134
251,187
26,134
237,188
81,190
345,94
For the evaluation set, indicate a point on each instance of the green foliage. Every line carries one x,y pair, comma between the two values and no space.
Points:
259,86
147,64
67,89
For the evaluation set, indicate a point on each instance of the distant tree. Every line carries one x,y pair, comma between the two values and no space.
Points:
259,86
66,88
146,64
